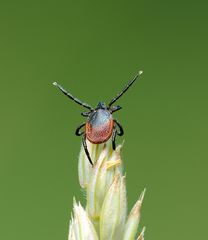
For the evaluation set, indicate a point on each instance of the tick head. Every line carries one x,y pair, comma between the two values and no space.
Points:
101,105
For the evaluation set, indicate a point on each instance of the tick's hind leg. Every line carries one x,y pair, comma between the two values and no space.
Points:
114,138
77,132
85,148
115,132
121,131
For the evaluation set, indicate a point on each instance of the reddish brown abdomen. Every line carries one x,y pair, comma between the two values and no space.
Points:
99,126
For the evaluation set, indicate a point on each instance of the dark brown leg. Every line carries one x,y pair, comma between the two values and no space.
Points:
72,97
115,108
77,132
85,148
114,138
121,131
85,114
125,89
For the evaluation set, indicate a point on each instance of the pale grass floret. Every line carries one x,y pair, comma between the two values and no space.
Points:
105,214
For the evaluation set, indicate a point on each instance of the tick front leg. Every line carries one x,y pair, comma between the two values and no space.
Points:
77,132
85,114
85,148
114,138
121,131
115,108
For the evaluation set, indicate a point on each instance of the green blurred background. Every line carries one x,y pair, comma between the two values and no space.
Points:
93,48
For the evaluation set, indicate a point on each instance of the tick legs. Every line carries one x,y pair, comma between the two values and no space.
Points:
114,138
125,89
76,100
115,108
85,148
77,132
85,114
115,132
121,131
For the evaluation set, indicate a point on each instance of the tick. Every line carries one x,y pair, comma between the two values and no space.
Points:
100,124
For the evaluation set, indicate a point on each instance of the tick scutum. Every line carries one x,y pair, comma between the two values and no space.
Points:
99,126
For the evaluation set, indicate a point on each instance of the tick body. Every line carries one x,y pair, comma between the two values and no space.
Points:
100,125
